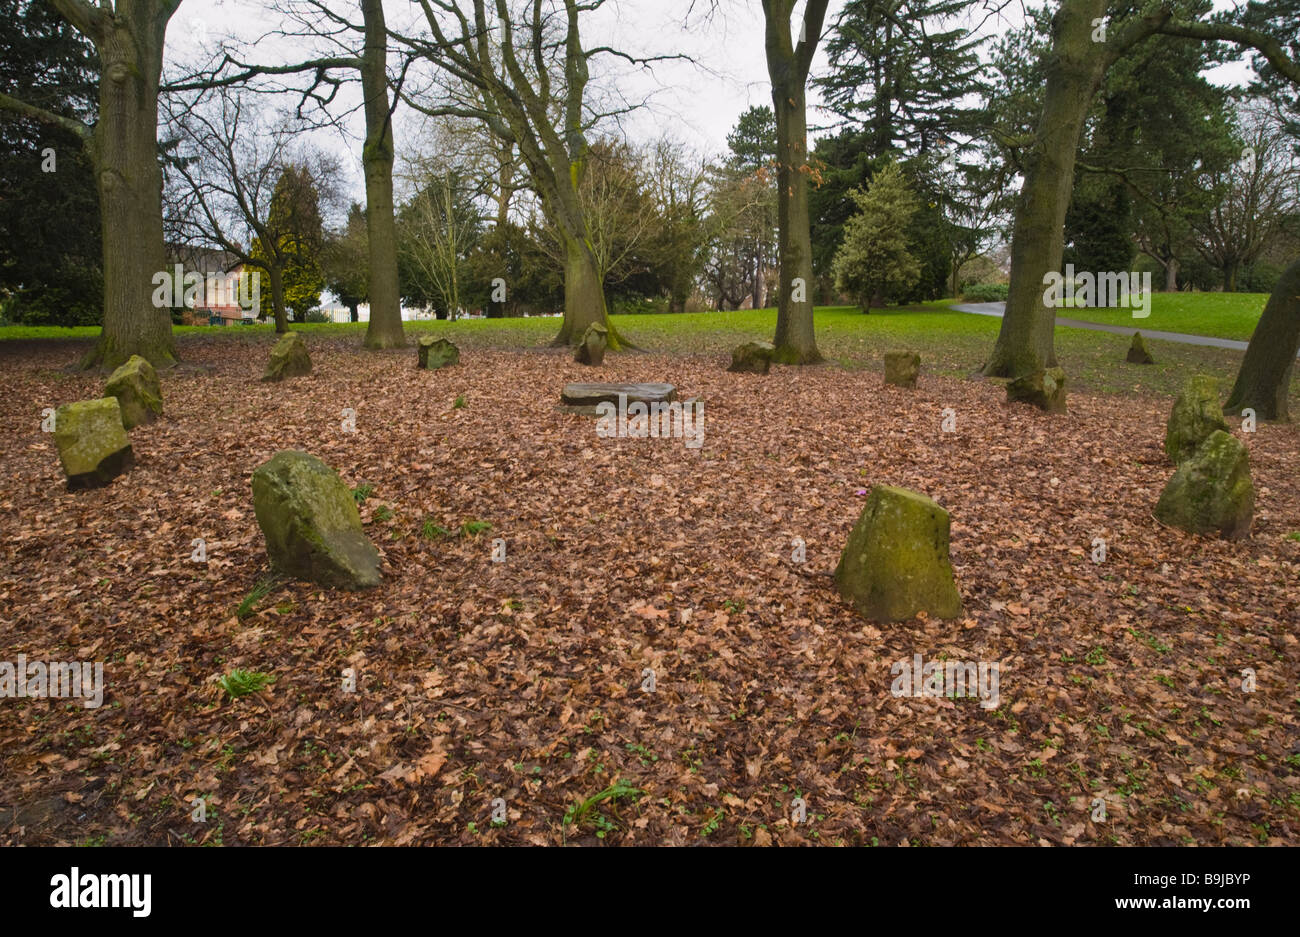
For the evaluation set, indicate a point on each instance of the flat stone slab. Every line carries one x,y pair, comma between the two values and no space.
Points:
584,398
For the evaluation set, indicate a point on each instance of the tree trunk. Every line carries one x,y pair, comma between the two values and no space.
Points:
354,312
276,274
584,295
1264,381
1230,278
795,340
385,327
124,152
1171,275
1075,68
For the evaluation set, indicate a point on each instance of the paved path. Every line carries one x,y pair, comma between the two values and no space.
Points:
996,309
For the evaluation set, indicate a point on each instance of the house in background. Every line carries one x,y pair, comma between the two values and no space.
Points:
221,271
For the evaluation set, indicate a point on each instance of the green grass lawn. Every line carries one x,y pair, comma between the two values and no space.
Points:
1219,315
953,344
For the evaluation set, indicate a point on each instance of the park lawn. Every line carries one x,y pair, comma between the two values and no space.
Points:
951,344
1218,315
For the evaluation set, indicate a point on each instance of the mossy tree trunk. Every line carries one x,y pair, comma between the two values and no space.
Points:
123,148
1264,381
787,67
385,327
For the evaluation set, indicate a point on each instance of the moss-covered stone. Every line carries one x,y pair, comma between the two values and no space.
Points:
289,358
591,349
92,442
1137,351
135,385
902,368
752,358
1044,389
311,524
896,563
1211,492
434,353
1196,415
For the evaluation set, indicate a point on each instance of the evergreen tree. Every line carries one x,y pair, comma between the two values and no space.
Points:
51,259
874,264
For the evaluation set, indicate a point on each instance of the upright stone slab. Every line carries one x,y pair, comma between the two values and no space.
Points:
1045,390
135,385
591,350
92,442
902,368
1195,417
752,358
896,563
1137,351
434,353
311,524
1211,492
289,358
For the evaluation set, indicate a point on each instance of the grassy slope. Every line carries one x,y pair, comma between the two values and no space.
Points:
1220,315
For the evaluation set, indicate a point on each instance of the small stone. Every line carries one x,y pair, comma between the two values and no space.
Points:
311,523
1137,351
1195,416
902,368
92,442
752,358
435,353
135,385
1044,389
591,350
1212,491
289,358
896,563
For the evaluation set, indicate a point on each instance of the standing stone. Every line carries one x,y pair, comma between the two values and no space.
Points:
92,442
311,524
591,350
1137,351
752,358
1196,415
896,563
135,385
289,358
1044,389
1211,492
435,353
902,368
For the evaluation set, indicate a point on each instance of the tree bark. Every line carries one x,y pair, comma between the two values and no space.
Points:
787,68
276,273
1171,275
584,295
124,151
1075,69
1264,381
385,327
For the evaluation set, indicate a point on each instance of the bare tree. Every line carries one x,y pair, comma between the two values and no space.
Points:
522,70
788,62
223,179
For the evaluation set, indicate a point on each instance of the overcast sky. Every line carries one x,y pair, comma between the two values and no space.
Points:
696,104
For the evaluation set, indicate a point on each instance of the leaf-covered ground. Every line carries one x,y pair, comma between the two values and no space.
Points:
523,680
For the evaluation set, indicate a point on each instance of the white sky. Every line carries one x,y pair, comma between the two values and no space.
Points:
696,104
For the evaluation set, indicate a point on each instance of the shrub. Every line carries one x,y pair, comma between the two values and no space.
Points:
985,293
